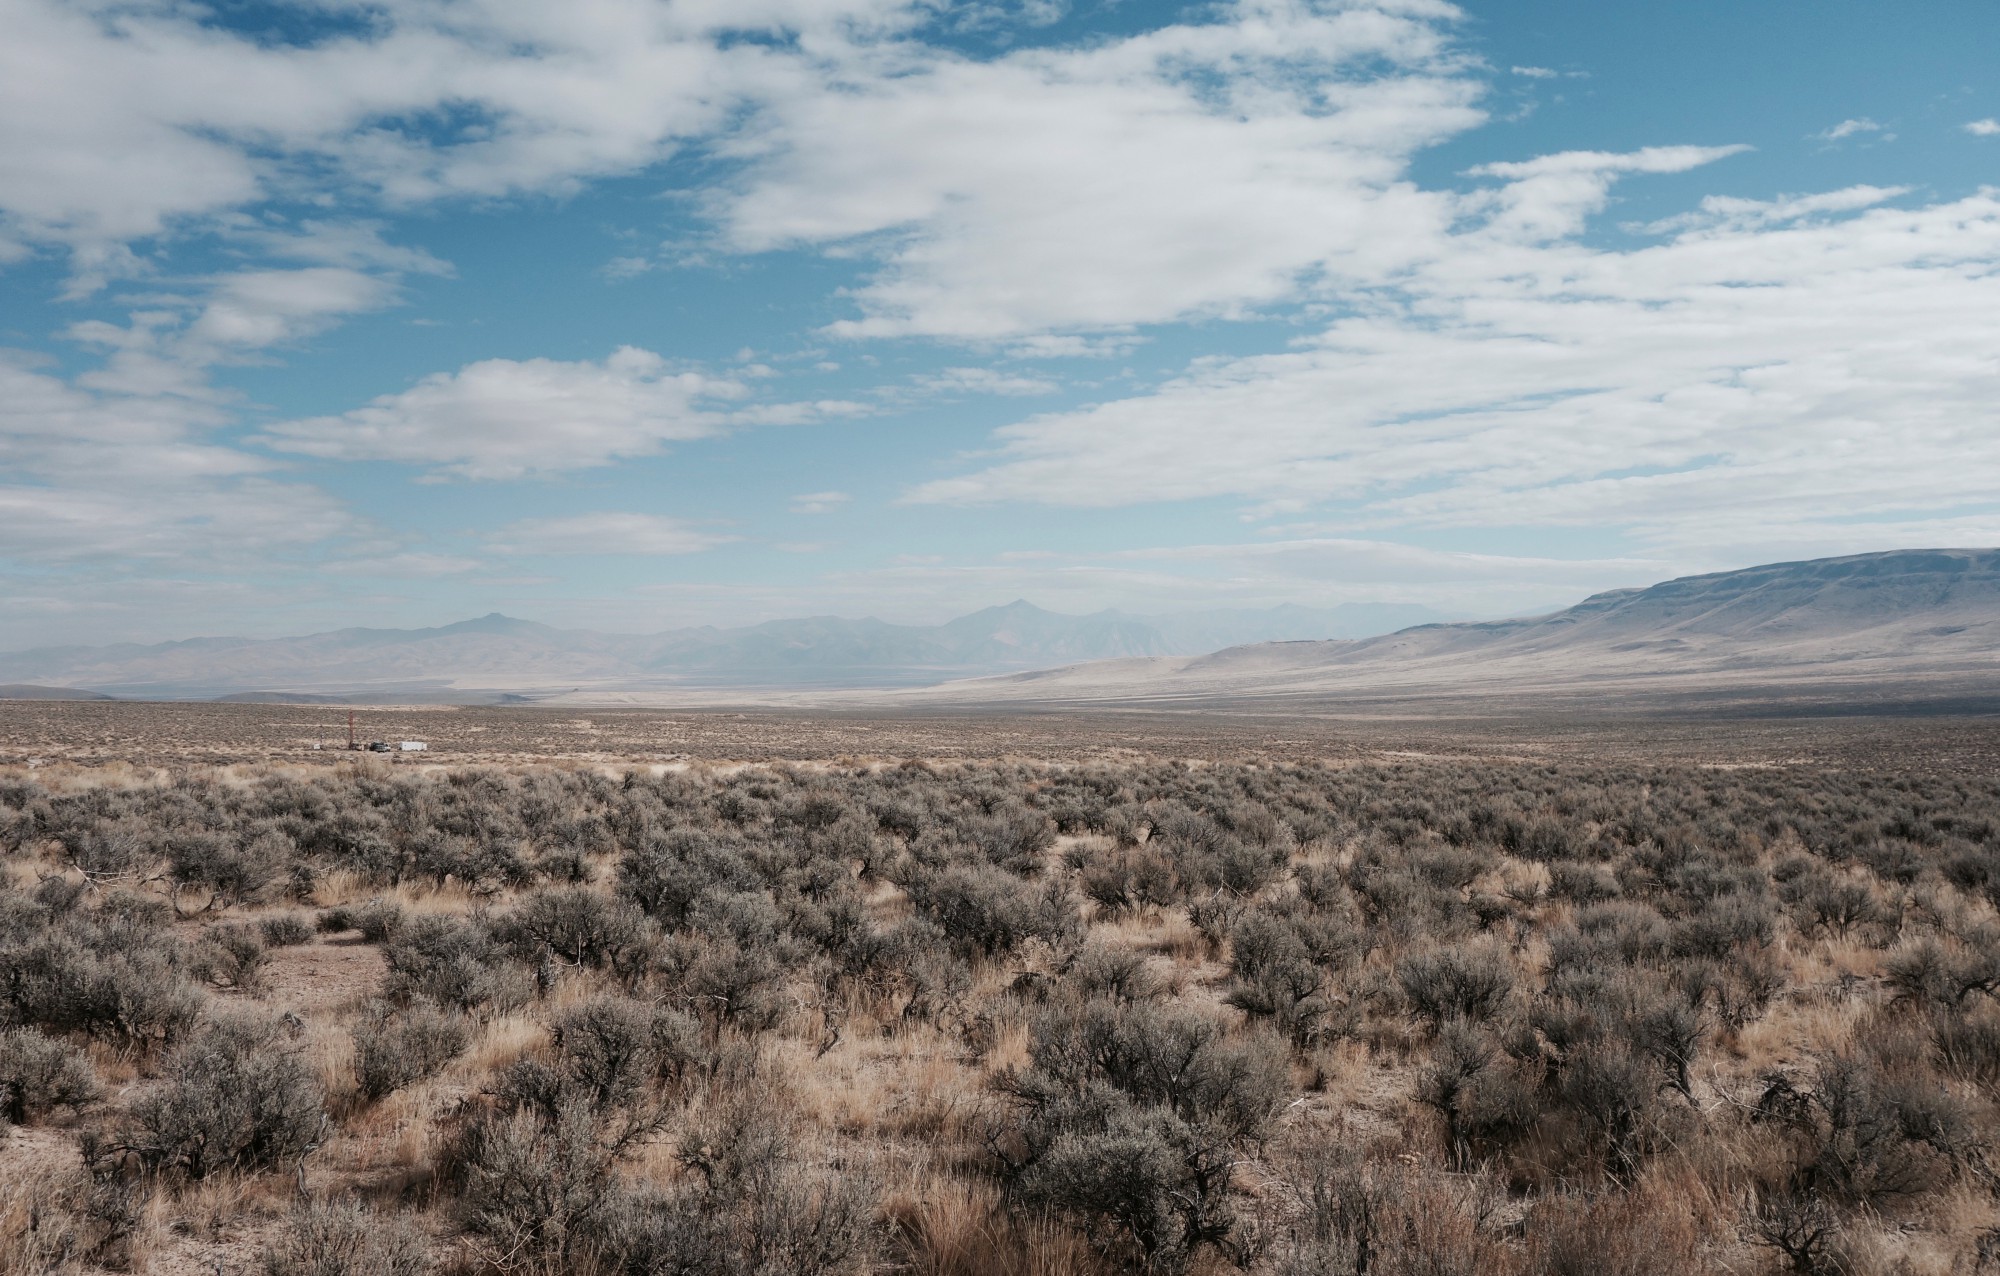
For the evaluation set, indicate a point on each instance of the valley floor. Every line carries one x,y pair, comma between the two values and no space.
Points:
1954,731
997,995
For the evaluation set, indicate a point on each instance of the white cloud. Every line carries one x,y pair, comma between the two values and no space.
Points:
819,502
98,476
606,533
255,308
178,339
1851,128
1535,72
508,419
121,122
213,523
1770,362
802,412
977,15
1042,345
985,381
1722,210
1766,366
355,245
1355,564
1199,169
619,269
1551,197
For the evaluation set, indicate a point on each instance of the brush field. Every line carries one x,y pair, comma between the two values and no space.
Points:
1360,1012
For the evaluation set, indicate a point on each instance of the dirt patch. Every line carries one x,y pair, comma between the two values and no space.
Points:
28,1148
321,977
191,1256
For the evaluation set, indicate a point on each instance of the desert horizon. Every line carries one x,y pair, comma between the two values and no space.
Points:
999,638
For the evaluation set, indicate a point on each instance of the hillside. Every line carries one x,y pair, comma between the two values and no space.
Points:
497,653
29,691
1861,623
1908,614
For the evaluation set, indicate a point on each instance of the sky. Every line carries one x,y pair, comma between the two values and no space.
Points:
636,314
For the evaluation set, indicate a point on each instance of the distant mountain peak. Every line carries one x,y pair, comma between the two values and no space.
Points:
1019,607
494,622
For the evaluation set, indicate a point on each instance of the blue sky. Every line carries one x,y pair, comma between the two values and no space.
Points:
634,314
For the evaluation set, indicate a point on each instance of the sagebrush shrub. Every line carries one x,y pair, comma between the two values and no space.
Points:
345,1238
116,971
378,920
669,874
285,930
1130,880
986,911
1572,1051
455,964
39,1074
1467,981
394,1048
616,1048
575,923
1133,1116
232,1096
225,870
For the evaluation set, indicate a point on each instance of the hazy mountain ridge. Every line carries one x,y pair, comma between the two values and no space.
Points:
1907,613
1901,613
499,652
29,691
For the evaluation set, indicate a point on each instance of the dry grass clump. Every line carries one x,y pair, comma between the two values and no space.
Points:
973,1020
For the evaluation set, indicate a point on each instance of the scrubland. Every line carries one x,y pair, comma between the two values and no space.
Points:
1373,1016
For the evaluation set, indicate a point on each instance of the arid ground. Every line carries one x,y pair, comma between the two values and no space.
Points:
170,734
630,991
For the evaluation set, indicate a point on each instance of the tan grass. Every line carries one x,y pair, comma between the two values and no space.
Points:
451,898
340,886
1797,1030
951,1227
391,1140
116,1063
221,1205
36,1199
329,1048
498,1042
1009,1051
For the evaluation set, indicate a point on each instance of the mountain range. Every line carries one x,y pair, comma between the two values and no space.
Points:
501,657
1858,628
